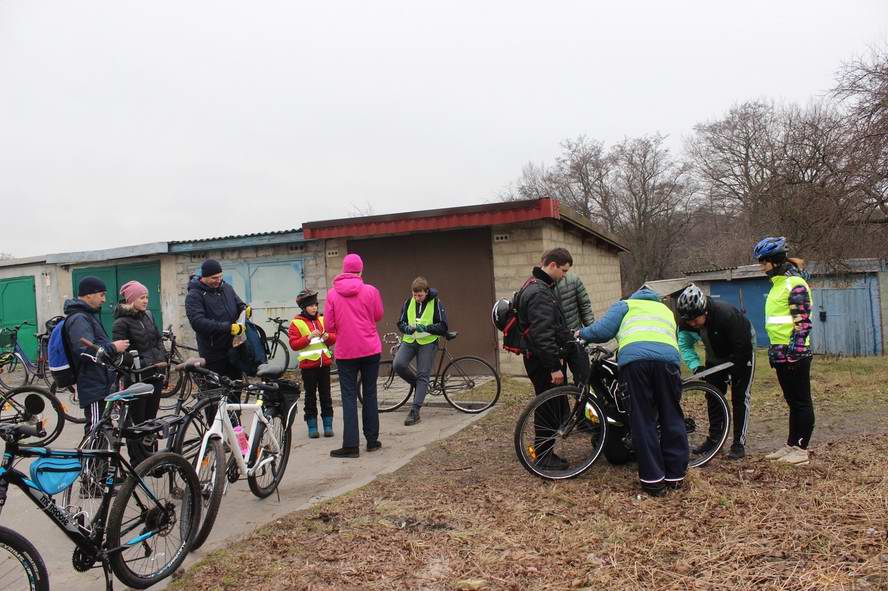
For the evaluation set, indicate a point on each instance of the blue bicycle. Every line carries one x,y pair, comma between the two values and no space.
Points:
16,368
144,524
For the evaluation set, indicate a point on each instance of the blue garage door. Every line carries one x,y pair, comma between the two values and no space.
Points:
749,296
846,322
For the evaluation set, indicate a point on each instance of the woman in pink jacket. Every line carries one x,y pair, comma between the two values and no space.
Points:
352,310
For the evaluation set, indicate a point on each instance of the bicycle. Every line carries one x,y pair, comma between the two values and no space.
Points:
175,384
16,358
278,350
578,423
141,538
468,383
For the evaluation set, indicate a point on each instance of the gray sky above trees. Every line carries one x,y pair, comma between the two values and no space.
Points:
127,122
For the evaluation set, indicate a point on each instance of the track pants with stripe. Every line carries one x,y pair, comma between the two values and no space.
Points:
741,376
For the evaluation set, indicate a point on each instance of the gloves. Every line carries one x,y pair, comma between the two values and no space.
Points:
421,328
237,329
698,369
409,330
248,311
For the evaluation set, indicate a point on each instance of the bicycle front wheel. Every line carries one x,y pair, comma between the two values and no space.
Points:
154,517
391,391
560,434
470,384
707,421
12,410
271,464
70,404
20,564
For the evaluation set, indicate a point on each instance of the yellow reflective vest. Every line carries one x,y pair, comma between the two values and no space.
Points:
427,318
778,319
649,322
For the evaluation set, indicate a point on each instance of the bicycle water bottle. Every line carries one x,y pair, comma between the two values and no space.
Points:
242,440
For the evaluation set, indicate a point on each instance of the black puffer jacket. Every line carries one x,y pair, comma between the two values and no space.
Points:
727,335
539,312
211,312
140,330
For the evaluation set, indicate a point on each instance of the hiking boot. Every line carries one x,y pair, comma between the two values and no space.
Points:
374,445
328,426
779,453
345,452
737,451
707,446
654,490
796,456
552,461
412,417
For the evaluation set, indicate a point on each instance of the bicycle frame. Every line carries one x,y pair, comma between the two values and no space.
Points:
223,429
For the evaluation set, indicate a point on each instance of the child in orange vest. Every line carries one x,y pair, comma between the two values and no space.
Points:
311,342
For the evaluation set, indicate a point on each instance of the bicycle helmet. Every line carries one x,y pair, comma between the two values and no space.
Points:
770,247
691,303
306,298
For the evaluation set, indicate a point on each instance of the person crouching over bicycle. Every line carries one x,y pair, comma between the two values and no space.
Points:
421,322
134,323
650,373
311,342
727,335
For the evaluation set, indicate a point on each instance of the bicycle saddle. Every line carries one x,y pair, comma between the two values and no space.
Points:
137,390
451,334
270,370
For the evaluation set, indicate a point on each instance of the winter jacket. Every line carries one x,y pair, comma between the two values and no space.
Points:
727,336
439,320
142,333
298,342
800,310
607,328
94,382
539,313
352,310
575,303
211,312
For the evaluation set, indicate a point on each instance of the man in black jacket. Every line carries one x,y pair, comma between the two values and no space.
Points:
213,309
727,335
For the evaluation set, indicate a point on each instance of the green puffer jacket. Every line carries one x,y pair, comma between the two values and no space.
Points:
575,302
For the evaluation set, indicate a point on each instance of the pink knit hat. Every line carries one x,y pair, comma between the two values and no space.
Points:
132,290
352,263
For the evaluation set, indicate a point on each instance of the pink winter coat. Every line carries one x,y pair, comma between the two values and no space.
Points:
351,311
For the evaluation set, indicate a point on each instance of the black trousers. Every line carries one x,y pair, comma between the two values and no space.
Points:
654,389
795,381
741,376
317,386
139,411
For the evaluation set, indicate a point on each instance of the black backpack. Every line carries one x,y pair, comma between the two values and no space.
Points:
505,318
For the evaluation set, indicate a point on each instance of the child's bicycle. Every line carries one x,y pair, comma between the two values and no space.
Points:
563,431
144,524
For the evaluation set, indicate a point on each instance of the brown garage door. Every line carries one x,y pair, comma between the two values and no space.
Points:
458,264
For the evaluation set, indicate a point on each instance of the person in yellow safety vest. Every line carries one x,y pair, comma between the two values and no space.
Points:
788,324
421,322
649,362
311,342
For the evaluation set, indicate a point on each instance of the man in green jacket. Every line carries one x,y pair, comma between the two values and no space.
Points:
575,302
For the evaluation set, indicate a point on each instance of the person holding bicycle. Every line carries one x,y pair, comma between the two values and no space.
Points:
649,364
134,323
311,342
421,322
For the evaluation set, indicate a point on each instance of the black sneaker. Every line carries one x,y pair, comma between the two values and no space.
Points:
737,451
704,448
345,452
412,417
675,484
552,461
654,490
374,445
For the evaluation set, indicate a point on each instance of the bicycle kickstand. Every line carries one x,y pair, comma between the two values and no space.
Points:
109,578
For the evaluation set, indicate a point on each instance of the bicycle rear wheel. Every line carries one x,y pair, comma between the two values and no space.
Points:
20,564
268,477
70,404
707,420
13,373
156,535
470,384
279,352
559,435
12,410
391,391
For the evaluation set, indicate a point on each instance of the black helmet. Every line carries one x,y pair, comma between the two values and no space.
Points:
691,303
306,298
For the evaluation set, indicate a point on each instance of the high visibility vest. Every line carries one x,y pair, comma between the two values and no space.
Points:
647,322
427,318
316,346
778,319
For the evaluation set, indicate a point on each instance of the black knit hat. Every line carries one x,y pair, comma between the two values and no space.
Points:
210,267
90,285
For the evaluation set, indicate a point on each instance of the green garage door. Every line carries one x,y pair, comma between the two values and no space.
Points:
18,303
114,276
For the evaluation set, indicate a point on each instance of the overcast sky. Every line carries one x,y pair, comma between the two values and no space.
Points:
128,122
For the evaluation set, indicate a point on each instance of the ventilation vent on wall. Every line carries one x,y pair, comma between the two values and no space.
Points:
197,257
296,248
501,237
332,253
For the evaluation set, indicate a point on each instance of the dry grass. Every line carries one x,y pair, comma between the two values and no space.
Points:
465,515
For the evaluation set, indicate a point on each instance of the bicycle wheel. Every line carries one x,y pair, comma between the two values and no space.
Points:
156,535
557,437
12,410
267,478
210,474
70,404
280,352
470,384
13,373
184,391
21,566
391,391
707,420
173,380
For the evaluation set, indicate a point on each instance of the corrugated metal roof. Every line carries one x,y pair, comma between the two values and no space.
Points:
236,236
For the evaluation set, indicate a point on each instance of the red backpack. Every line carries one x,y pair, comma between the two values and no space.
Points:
505,318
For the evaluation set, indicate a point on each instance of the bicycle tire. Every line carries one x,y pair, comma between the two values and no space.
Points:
184,392
279,352
391,391
12,409
14,547
211,475
699,411
576,440
169,474
259,448
173,380
69,401
9,379
470,384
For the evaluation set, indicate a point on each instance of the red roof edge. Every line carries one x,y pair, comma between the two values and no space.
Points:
508,212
